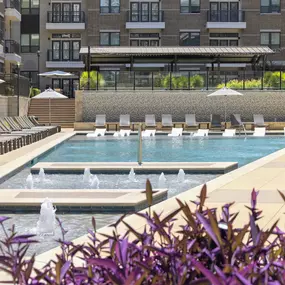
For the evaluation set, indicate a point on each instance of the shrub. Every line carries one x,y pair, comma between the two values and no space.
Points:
238,84
181,82
197,81
206,249
34,92
93,79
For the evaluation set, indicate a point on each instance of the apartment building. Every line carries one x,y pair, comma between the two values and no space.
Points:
63,26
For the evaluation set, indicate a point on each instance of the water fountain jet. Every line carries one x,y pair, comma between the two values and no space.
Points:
30,181
161,181
95,182
42,175
181,176
132,175
86,175
47,221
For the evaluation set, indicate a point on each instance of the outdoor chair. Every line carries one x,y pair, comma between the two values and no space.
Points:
166,121
8,143
190,121
258,121
176,132
216,121
201,133
259,132
229,133
236,121
100,121
51,129
150,121
125,122
148,133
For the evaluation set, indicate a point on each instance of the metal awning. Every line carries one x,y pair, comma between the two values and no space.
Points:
190,51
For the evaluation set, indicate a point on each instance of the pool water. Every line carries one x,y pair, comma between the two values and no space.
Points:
162,149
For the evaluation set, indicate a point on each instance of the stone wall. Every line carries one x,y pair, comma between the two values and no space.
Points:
139,103
9,106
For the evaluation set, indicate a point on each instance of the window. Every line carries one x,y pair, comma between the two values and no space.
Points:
189,39
270,39
109,6
2,29
30,43
109,39
65,50
144,39
189,6
224,39
270,6
33,77
30,7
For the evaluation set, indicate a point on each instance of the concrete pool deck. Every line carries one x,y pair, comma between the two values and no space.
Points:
85,200
108,167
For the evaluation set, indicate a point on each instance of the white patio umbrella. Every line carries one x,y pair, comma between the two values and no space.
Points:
56,74
2,81
225,91
50,94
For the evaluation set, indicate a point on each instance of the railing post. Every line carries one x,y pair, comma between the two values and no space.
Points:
134,80
243,81
189,83
262,77
115,80
170,80
280,80
225,79
207,79
97,81
152,83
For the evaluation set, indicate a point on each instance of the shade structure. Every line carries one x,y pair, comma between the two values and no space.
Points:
2,81
225,91
56,74
50,94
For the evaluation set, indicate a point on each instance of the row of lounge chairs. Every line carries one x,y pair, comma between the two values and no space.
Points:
190,122
16,132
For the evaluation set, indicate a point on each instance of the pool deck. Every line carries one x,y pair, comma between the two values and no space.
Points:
109,167
78,199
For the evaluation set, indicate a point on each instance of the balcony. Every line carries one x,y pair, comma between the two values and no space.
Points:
66,21
145,20
226,19
12,51
64,59
12,10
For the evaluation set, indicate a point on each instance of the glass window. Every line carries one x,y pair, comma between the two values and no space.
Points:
271,40
109,39
25,3
30,7
35,39
109,6
190,6
25,39
189,39
30,43
270,6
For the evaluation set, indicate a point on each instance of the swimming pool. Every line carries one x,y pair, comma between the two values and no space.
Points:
163,149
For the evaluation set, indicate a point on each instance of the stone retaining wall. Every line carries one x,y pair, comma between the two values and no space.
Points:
138,103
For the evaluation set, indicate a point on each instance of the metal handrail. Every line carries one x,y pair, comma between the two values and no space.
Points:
66,17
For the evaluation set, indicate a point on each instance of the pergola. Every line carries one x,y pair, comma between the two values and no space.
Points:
175,55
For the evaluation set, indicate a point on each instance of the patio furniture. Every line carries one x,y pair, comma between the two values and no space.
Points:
229,133
216,121
176,132
190,121
51,129
259,132
100,121
122,133
150,121
258,121
97,133
166,121
148,133
125,121
201,133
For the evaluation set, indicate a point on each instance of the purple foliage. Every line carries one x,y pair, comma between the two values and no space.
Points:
204,249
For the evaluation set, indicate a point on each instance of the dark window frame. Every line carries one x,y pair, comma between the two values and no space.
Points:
190,8
109,38
30,48
110,8
270,9
30,10
189,35
270,45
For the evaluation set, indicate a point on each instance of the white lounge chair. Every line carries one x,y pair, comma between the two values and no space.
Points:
259,121
176,132
201,133
97,133
125,121
166,121
122,133
100,121
259,132
229,133
150,121
148,133
190,121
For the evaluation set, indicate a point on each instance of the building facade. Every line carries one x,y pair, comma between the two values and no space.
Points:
58,29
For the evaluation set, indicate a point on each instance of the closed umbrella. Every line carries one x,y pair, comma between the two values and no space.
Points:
225,91
50,94
56,74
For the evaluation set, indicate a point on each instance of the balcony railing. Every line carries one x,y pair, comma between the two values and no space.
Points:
185,80
225,16
66,17
63,55
10,86
12,46
13,4
145,16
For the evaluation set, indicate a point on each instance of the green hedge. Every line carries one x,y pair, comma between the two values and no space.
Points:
93,79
